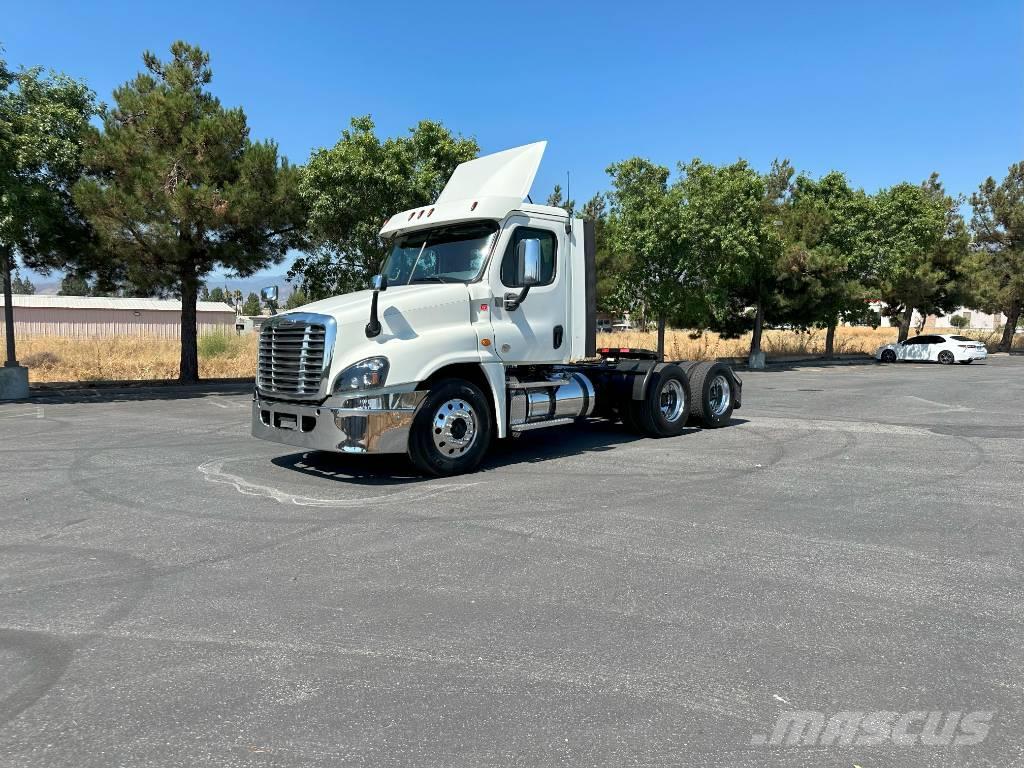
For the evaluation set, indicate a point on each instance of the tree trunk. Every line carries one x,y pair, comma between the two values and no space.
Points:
905,324
1012,318
755,337
661,337
188,371
7,268
830,339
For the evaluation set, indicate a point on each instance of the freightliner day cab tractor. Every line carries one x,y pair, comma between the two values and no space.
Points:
481,325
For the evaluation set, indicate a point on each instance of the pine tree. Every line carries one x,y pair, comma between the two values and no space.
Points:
177,188
22,285
252,305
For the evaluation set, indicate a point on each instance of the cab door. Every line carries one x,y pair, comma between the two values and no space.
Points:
534,331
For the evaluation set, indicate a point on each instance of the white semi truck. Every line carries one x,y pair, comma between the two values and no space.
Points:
481,325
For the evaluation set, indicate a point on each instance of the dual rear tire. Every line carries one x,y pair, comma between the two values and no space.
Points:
665,406
714,396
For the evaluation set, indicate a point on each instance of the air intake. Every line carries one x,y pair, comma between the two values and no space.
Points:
294,355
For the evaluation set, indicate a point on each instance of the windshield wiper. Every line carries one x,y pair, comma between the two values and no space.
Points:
434,279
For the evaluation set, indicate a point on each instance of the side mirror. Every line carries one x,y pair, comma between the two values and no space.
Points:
528,258
269,294
379,283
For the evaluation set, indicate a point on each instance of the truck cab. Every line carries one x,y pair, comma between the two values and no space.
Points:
480,324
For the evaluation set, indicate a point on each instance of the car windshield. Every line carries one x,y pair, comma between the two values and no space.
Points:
451,254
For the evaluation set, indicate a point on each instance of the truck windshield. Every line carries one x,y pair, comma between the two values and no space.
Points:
451,254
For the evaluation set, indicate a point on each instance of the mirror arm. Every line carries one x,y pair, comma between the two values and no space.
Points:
373,328
512,300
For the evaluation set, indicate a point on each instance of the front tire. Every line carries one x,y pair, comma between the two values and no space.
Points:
946,357
888,356
451,430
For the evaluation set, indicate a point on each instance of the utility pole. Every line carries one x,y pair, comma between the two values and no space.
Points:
13,377
12,358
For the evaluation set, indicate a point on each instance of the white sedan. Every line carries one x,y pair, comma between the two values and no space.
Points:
940,348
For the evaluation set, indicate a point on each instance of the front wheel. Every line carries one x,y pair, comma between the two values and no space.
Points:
888,356
451,430
946,357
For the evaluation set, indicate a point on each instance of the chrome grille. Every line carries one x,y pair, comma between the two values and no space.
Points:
294,354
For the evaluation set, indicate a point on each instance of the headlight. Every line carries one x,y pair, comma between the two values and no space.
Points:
366,374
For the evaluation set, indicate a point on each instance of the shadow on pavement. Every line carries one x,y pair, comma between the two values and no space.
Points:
56,395
528,448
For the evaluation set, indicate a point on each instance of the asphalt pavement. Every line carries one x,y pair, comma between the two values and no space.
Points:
176,593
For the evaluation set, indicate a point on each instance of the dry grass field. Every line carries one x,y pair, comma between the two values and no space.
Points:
132,358
226,355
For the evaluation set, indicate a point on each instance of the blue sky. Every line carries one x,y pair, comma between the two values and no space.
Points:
881,90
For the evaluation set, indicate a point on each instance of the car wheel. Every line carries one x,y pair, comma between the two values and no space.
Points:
888,356
946,357
451,430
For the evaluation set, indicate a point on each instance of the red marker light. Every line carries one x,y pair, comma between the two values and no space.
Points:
420,216
411,215
473,206
483,307
430,213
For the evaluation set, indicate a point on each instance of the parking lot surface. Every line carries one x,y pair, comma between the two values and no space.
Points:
176,593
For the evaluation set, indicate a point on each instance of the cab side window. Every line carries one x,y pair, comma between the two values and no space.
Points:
510,270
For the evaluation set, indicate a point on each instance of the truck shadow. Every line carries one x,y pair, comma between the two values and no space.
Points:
529,448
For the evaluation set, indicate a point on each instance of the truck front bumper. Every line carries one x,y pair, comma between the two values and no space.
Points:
367,423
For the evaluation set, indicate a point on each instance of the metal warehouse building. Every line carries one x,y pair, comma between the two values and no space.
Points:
89,316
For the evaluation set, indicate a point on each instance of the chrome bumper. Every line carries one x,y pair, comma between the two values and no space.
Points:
367,423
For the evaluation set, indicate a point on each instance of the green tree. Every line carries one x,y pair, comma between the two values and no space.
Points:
729,219
43,119
252,305
557,200
177,188
644,229
74,285
959,321
608,263
21,284
296,298
217,294
204,293
823,271
353,187
998,261
919,243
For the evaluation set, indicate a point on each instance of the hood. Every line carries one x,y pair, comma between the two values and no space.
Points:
400,299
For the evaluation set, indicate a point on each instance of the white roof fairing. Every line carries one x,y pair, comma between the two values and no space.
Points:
503,174
488,187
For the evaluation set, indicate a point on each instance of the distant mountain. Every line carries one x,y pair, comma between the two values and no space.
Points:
249,285
50,284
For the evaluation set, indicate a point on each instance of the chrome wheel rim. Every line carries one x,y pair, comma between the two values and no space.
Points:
454,428
672,400
720,395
